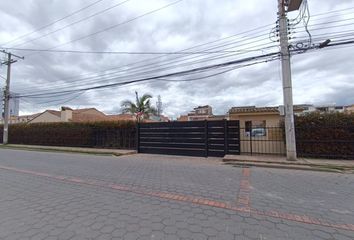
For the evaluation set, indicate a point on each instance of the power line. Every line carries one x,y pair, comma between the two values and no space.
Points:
104,74
117,52
182,50
140,67
326,13
325,23
52,23
115,25
180,73
335,11
229,69
74,23
141,72
273,56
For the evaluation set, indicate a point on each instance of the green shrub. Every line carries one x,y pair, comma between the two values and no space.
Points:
118,134
329,135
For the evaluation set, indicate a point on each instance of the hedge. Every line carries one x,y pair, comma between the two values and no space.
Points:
329,135
119,134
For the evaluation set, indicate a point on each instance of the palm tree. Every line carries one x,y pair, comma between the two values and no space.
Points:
142,108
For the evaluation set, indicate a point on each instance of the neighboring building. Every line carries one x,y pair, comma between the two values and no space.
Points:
24,118
160,118
67,114
349,109
309,108
14,104
201,113
259,116
122,117
260,128
182,118
330,108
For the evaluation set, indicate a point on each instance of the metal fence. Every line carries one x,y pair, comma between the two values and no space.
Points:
332,142
336,142
196,138
263,140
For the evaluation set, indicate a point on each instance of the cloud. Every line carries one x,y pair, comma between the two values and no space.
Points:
323,76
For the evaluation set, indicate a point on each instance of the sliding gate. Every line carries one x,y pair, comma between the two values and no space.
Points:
199,138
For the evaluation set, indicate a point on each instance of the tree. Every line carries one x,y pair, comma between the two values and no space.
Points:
142,108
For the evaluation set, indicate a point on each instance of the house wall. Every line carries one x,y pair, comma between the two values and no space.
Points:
272,143
66,115
350,109
272,120
46,117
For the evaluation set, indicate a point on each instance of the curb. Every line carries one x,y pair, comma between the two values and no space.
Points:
78,151
289,166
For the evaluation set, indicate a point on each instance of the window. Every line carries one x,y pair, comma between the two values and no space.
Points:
255,128
248,126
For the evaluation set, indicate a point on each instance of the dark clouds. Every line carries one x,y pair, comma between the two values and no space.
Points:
319,77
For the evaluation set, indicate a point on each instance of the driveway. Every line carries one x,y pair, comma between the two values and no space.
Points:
74,196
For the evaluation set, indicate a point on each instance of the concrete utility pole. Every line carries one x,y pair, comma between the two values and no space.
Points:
159,106
7,94
287,85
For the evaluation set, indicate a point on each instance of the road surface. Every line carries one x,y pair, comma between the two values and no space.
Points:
75,196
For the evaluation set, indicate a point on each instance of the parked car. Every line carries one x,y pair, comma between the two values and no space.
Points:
257,132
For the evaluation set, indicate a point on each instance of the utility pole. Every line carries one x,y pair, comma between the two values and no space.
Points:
159,106
287,85
8,62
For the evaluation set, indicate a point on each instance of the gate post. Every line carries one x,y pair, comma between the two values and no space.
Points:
138,137
251,140
226,144
206,137
239,137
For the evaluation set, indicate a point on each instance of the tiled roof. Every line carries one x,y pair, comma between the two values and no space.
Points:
82,117
54,112
89,115
253,109
82,110
120,117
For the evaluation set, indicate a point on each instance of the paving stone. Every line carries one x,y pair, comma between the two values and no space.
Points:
40,207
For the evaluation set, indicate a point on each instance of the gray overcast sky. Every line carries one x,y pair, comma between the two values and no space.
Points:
319,77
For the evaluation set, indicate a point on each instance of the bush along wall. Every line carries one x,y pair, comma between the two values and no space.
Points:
119,134
329,135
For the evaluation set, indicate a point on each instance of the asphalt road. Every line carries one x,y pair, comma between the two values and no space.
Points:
73,196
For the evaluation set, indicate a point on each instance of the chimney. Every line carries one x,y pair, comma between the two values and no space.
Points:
66,114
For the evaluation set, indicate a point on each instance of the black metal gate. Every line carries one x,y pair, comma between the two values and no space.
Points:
199,138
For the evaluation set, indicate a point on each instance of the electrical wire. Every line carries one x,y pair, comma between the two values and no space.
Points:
52,23
180,73
73,23
167,80
274,55
239,35
142,71
118,52
330,12
114,26
158,63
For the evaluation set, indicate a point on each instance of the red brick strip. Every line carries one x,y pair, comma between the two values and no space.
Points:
243,197
191,199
